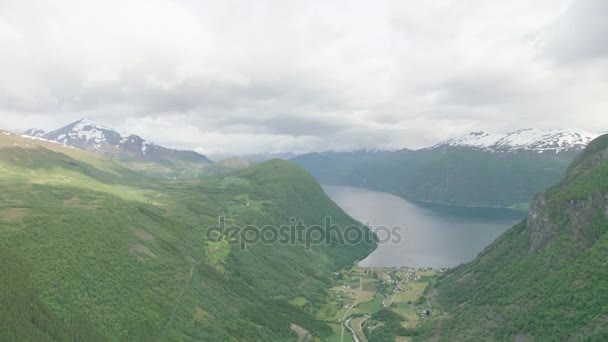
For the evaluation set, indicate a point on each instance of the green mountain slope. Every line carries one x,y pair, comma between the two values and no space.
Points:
545,279
96,250
456,177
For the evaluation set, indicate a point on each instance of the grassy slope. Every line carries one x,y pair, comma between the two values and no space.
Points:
558,291
469,178
112,253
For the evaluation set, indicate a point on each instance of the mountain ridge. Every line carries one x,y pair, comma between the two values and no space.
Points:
88,135
528,139
34,132
459,177
139,153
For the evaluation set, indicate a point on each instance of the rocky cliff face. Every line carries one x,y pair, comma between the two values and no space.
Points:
546,222
552,214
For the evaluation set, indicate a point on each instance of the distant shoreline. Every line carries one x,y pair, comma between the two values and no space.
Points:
460,210
479,211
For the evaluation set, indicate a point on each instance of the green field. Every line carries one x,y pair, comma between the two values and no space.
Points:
403,299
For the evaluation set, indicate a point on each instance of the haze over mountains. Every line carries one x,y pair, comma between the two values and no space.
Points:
459,171
478,169
129,148
87,135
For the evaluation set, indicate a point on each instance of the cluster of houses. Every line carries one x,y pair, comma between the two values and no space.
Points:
389,279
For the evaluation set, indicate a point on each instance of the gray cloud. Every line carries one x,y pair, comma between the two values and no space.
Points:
485,90
272,75
580,34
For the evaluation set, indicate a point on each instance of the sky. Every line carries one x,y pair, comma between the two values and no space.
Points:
265,76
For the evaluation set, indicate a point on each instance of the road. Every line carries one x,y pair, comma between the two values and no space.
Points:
351,308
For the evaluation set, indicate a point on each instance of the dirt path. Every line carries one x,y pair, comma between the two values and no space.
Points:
178,300
351,308
395,293
228,205
443,315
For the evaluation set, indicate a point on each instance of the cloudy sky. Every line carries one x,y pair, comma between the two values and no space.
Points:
270,76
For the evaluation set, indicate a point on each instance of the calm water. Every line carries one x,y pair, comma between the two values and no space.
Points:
431,236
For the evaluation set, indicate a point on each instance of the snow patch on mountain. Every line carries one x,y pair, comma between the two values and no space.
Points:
530,139
34,132
86,130
145,145
87,135
474,139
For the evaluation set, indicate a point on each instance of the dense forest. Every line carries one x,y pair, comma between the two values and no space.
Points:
95,250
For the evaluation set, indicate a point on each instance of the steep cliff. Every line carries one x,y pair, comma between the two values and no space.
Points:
544,279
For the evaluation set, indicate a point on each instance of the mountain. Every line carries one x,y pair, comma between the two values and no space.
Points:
234,163
92,250
226,166
347,168
144,155
545,279
533,140
252,158
262,157
478,169
87,135
460,177
34,132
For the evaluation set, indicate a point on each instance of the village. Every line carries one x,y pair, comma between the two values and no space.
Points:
362,297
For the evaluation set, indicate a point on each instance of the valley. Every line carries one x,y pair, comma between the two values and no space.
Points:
376,303
98,251
303,171
542,279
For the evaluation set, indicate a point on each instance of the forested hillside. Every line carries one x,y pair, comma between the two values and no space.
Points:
463,177
91,249
546,279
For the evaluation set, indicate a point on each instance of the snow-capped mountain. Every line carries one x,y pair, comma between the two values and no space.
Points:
87,135
34,132
530,139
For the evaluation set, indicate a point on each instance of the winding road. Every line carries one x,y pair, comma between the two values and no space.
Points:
350,309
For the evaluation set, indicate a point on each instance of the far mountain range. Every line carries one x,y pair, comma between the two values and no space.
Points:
535,140
88,135
476,169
